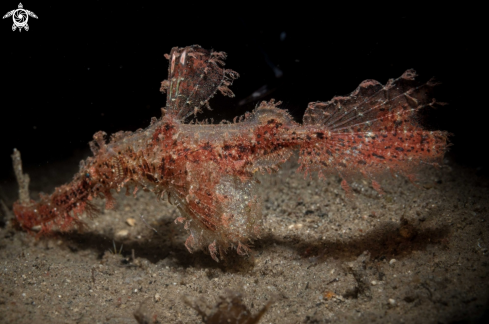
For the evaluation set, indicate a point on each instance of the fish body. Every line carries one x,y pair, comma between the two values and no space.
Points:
208,170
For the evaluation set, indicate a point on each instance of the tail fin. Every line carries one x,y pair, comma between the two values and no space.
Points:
373,130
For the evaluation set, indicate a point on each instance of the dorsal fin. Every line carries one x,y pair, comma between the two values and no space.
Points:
194,76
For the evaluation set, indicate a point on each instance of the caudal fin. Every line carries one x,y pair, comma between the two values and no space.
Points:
373,130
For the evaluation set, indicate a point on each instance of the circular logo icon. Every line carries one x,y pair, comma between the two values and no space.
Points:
20,17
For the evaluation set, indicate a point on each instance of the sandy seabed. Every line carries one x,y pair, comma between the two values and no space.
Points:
418,254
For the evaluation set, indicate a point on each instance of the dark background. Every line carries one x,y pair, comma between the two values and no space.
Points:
94,66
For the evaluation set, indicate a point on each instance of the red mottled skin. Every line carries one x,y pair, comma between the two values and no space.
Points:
207,170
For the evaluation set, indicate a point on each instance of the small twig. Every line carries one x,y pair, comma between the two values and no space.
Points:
93,275
115,248
4,210
144,221
22,179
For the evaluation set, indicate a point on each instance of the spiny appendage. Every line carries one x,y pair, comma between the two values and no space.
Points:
194,76
372,130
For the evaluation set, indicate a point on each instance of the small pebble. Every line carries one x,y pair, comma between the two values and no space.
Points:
157,297
392,302
131,222
374,283
122,233
392,261
294,226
